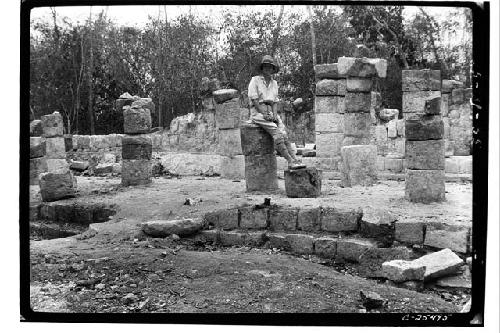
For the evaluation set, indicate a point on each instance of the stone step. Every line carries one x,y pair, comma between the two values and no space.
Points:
71,212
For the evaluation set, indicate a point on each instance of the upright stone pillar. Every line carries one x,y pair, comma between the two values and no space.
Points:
228,116
425,146
260,160
359,164
458,121
419,86
136,144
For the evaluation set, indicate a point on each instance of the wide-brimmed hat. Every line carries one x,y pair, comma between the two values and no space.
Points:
267,59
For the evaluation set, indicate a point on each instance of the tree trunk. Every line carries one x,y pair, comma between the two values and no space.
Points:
90,107
276,32
313,36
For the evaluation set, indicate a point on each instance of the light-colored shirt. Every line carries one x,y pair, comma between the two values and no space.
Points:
257,89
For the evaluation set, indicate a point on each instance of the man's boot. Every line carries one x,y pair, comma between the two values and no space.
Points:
292,163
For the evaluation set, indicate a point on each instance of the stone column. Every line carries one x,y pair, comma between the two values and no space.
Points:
228,116
136,144
425,149
459,118
260,160
419,86
329,108
359,158
57,182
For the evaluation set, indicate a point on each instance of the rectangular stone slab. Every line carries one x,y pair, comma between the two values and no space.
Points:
136,120
403,270
252,218
433,106
261,172
52,125
37,147
255,140
441,236
328,87
56,186
55,147
136,172
303,183
425,155
372,259
309,219
326,247
359,165
229,142
362,67
300,244
355,84
420,128
357,102
222,95
414,101
282,218
357,124
355,141
38,165
448,85
228,114
439,263
329,122
425,186
329,104
328,144
416,80
136,147
226,219
352,249
409,232
57,165
327,71
232,167
335,220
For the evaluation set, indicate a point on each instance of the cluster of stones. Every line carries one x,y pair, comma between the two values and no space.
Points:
359,158
57,182
424,130
136,143
229,115
257,145
456,110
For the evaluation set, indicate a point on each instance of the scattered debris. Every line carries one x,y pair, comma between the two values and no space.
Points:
372,300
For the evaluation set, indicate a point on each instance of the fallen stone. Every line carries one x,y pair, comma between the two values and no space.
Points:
326,247
357,124
136,172
228,114
421,128
329,122
222,219
136,147
362,67
56,186
331,87
255,140
372,300
261,172
300,244
222,95
388,114
439,235
355,84
36,128
416,80
379,225
461,280
229,142
303,183
232,167
357,102
136,121
57,165
440,263
433,106
37,147
448,85
414,101
359,165
52,125
466,308
425,155
335,220
352,249
425,186
103,169
329,104
54,147
403,270
282,218
328,144
372,259
252,218
409,232
327,71
162,228
309,219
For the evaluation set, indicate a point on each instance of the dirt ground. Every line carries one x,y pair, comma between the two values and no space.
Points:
114,271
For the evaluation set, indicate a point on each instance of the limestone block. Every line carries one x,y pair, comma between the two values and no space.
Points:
380,135
425,186
255,140
79,165
335,220
229,142
155,141
121,102
416,80
379,225
327,71
439,264
38,165
425,155
36,128
136,121
57,165
403,270
441,236
445,104
359,165
372,259
327,87
414,101
357,124
223,95
253,218
228,114
357,102
394,165
433,106
37,147
392,131
136,147
400,127
396,148
188,164
83,142
462,140
380,163
232,167
300,244
409,232
326,247
261,172
309,219
323,163
164,228
388,114
303,183
329,104
68,142
448,148
468,94
329,122
355,84
52,125
376,102
56,186
355,141
231,238
207,236
352,249
362,67
144,103
448,85
104,168
222,219
277,241
459,164
136,172
446,127
282,218
458,96
55,148
328,144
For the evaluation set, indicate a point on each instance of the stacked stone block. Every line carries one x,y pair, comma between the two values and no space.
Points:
260,160
57,182
419,86
136,144
228,116
359,158
329,111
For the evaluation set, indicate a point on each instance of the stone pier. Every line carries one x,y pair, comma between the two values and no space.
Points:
303,183
260,160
